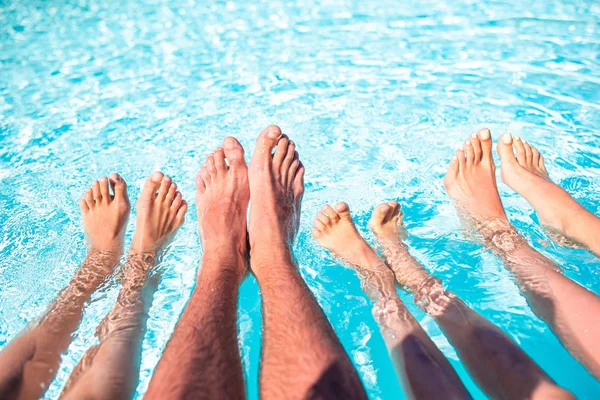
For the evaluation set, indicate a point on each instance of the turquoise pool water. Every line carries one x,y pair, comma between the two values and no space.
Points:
376,95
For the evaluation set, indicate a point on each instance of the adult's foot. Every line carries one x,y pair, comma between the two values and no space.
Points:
105,215
160,212
526,174
222,198
471,182
276,189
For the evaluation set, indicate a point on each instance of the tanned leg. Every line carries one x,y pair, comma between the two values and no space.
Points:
30,362
420,365
526,174
110,370
301,354
569,309
202,359
496,363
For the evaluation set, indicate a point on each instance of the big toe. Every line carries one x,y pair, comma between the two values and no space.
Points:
151,185
505,150
234,152
267,140
343,210
379,214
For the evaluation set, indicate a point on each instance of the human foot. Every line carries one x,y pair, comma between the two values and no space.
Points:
159,215
105,215
222,198
526,174
276,189
387,222
471,181
334,229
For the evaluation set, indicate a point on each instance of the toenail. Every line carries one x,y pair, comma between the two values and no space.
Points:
474,135
229,141
507,138
517,138
273,133
156,177
468,143
485,134
454,158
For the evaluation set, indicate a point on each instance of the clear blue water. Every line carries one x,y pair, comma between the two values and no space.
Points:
377,97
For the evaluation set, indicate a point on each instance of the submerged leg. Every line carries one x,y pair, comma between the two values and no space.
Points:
568,308
496,363
421,366
110,370
202,359
301,354
30,362
526,174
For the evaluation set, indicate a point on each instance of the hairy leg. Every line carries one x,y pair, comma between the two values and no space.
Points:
568,308
564,217
202,359
421,366
301,354
30,362
110,370
496,363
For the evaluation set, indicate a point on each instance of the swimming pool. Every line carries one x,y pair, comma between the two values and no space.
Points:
377,98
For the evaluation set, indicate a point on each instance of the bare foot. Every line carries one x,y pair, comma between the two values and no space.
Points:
159,215
471,180
387,222
276,189
526,174
222,199
334,229
105,215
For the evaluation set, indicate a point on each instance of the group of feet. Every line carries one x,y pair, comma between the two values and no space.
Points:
301,354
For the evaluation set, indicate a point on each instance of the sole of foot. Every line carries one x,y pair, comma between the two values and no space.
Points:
222,196
276,178
160,212
105,214
471,181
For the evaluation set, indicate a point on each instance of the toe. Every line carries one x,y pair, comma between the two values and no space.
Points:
505,150
528,153
200,186
535,157
210,165
542,164
84,206
292,171
462,161
324,218
394,210
171,193
287,161
379,214
520,150
476,145
452,172
321,227
206,176
298,183
165,185
104,190
180,217
343,211
234,152
96,192
280,152
219,157
469,153
151,185
266,141
177,199
330,212
315,232
89,198
485,138
118,185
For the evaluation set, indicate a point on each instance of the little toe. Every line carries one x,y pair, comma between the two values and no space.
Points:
206,176
200,186
151,185
315,232
89,199
177,199
84,206
180,217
